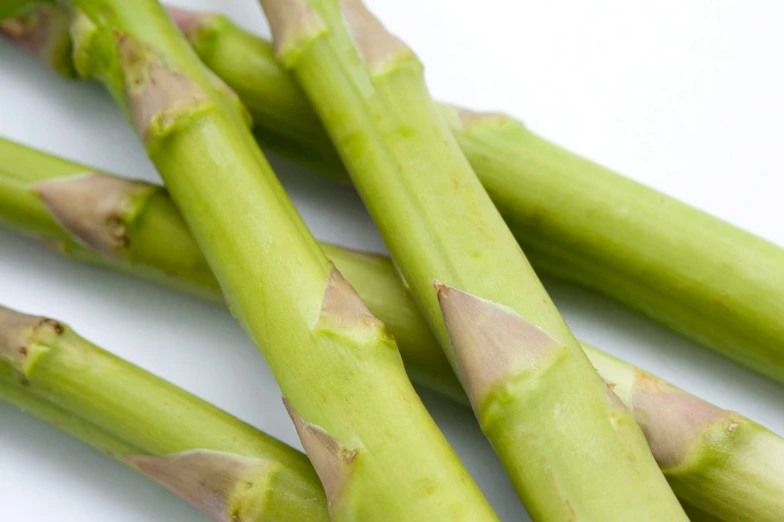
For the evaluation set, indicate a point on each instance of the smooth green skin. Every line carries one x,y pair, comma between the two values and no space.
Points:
124,411
377,283
575,220
551,424
341,374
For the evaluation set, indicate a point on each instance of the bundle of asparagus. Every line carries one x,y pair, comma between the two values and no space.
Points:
525,375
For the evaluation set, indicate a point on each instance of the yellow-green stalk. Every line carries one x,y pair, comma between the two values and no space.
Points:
740,472
368,435
576,220
226,468
570,447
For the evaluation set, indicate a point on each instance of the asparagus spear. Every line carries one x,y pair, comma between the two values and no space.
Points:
224,467
746,480
563,209
368,435
570,447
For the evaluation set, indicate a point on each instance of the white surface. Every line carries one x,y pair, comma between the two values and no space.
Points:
684,96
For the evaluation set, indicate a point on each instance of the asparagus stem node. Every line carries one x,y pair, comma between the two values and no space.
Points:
95,208
222,485
332,460
492,345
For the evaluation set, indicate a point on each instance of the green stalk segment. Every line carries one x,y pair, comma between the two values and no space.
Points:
570,447
224,467
337,365
576,220
377,283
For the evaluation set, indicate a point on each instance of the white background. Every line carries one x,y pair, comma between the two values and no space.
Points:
683,96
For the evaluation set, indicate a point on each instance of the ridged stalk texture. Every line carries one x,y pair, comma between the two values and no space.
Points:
377,451
736,483
226,468
571,449
576,220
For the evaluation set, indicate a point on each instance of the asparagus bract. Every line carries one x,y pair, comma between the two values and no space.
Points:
368,435
226,468
744,479
570,447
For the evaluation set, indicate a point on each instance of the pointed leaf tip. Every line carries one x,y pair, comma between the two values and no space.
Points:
490,342
672,420
158,97
378,47
205,478
293,25
332,460
91,207
17,334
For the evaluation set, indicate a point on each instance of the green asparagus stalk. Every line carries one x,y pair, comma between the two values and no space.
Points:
571,216
224,467
370,439
571,449
730,485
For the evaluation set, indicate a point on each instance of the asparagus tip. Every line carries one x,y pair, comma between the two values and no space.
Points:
207,479
490,342
332,460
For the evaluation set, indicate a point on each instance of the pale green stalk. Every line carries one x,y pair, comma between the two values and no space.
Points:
758,493
377,451
571,449
576,220
224,467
